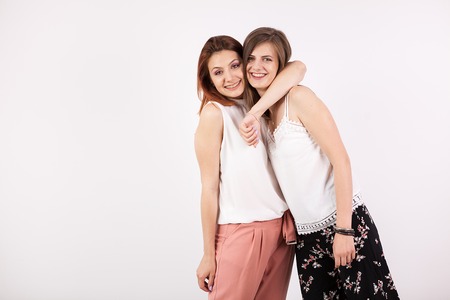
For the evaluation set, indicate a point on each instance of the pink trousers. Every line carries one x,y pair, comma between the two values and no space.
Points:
253,261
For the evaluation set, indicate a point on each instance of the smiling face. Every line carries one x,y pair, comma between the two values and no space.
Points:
225,70
262,67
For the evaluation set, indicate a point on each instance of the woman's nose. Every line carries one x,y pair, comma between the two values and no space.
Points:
255,65
228,75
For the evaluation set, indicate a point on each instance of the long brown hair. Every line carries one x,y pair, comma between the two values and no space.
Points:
282,47
205,88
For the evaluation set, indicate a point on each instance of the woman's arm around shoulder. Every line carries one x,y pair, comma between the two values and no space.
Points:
290,76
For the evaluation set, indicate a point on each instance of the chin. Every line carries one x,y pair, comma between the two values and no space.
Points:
257,83
235,95
259,86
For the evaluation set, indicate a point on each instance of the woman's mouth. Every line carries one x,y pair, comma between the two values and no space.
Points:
258,75
233,86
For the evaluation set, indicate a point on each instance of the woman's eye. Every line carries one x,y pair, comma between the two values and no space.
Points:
217,73
235,66
267,59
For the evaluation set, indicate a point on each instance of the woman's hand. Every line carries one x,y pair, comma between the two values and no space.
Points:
206,272
343,250
249,129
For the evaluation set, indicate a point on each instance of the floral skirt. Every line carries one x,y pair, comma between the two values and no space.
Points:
367,277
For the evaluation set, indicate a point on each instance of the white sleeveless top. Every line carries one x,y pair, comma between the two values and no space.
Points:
248,189
305,176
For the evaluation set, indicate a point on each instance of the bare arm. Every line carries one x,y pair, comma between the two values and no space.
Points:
290,76
317,119
208,139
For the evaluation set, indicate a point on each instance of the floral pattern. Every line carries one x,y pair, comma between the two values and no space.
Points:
367,277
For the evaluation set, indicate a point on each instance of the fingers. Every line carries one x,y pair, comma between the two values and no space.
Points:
253,139
201,280
205,283
249,130
246,130
211,282
339,261
343,257
344,251
344,260
249,134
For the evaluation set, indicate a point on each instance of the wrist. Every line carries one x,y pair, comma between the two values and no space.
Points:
344,220
344,231
255,112
256,117
209,253
343,225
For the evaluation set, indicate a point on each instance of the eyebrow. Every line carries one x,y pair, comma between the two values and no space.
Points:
229,64
263,56
234,60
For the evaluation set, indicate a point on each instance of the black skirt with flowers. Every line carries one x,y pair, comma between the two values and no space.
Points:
367,277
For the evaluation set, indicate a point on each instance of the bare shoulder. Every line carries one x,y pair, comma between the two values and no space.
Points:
301,90
208,135
302,96
211,121
211,114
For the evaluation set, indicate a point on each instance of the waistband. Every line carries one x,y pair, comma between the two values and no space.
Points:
286,222
305,228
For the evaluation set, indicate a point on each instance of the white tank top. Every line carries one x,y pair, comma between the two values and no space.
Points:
305,175
248,189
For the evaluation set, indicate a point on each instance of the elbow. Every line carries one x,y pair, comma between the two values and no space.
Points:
301,68
343,165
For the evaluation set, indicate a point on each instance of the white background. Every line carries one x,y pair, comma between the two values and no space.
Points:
99,185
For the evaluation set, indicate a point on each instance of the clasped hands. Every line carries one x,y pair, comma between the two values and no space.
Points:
250,129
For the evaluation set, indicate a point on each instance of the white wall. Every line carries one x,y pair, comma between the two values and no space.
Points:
99,186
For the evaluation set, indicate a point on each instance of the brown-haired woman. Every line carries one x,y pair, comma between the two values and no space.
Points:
339,253
247,252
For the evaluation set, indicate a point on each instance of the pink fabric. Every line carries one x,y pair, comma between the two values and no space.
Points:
289,231
253,262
